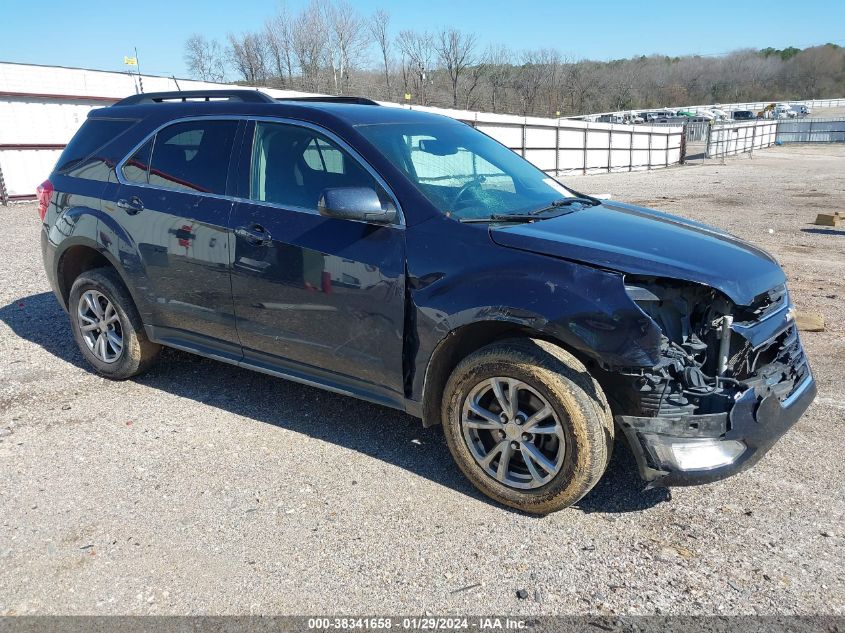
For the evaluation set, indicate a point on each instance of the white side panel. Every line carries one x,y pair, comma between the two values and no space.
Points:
24,170
40,122
507,135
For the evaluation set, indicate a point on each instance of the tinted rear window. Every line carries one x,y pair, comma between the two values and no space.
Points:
193,156
94,135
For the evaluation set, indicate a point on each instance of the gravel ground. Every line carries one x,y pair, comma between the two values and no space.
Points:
202,488
829,113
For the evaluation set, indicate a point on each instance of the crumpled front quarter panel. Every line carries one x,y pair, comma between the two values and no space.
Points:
459,276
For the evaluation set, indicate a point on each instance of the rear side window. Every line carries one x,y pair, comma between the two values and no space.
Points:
189,156
93,136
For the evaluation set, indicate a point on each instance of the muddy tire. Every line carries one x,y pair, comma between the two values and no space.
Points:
545,450
107,326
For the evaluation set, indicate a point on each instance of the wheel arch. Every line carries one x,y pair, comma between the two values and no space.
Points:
460,343
80,256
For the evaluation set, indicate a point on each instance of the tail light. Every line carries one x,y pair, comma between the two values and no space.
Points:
44,191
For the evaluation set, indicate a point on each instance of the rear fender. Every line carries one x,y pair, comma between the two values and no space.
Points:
99,231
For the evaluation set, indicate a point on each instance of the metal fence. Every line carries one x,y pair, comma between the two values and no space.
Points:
697,131
569,147
732,138
811,131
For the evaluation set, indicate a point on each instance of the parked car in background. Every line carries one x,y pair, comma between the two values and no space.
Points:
743,115
624,118
703,114
611,118
652,117
409,260
802,110
661,116
784,111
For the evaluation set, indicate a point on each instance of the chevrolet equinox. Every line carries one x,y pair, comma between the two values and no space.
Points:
410,260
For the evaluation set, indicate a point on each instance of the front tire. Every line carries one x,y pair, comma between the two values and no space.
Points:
107,326
527,424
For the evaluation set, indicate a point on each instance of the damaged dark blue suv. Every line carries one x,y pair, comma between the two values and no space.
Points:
410,260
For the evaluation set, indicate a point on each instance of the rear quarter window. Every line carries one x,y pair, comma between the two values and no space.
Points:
191,156
82,157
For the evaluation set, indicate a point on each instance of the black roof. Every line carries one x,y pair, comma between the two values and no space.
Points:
200,96
349,110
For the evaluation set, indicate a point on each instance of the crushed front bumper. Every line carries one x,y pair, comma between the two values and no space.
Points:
675,452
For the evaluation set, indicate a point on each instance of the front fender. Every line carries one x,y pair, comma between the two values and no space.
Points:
584,308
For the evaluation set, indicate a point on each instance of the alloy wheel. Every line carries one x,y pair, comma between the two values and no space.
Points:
100,326
513,433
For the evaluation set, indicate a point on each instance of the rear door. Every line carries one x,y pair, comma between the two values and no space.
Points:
172,202
318,295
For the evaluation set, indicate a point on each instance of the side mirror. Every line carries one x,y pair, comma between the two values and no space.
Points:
355,203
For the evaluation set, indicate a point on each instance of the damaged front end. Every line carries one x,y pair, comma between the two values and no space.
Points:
730,381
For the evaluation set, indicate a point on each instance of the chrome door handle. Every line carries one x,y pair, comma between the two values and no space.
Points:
132,206
254,234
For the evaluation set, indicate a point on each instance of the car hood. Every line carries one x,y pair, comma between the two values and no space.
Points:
642,241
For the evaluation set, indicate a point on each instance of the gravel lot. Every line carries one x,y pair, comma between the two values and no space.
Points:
202,488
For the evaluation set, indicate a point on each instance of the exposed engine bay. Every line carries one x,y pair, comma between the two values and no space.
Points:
705,360
713,354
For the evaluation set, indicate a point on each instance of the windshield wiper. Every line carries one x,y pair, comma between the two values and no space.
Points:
565,202
514,217
536,214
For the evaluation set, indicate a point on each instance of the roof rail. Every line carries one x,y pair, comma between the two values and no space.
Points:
245,96
357,100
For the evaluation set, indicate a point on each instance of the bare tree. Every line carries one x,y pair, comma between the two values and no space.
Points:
417,55
552,89
379,30
279,36
323,47
456,52
346,41
531,76
472,79
819,71
580,87
499,72
309,37
204,58
248,54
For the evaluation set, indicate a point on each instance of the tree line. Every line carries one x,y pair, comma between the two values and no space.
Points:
330,47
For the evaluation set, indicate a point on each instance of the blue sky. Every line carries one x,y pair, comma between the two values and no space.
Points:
97,34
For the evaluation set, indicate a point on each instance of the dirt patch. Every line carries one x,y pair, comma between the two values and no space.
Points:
812,194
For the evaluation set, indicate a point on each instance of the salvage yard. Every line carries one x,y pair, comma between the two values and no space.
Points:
200,488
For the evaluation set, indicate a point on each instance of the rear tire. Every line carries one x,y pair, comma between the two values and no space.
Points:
107,326
546,451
